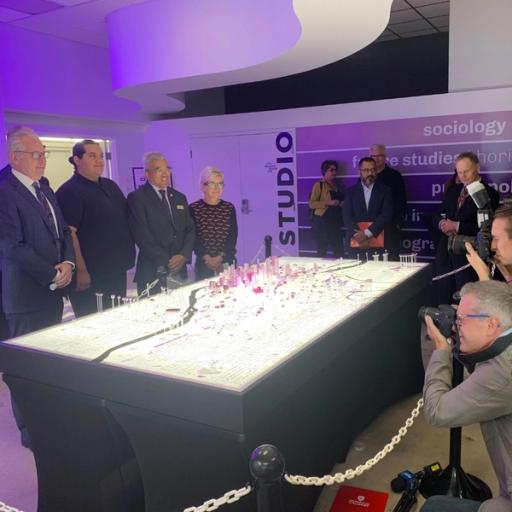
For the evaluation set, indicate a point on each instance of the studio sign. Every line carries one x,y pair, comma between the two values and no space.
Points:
286,215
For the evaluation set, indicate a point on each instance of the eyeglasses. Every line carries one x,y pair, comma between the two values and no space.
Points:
214,185
36,155
460,318
377,156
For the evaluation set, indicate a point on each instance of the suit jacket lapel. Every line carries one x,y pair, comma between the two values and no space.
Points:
34,203
24,192
156,201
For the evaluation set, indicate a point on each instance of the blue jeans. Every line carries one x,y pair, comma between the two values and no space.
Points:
450,504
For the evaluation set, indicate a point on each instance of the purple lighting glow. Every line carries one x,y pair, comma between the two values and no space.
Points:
162,40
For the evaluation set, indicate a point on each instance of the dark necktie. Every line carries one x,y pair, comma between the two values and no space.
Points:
46,209
163,194
462,197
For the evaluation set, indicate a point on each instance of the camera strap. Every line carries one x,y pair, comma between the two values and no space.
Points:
470,360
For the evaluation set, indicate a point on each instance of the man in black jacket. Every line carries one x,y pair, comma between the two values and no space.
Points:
458,216
97,213
160,223
368,202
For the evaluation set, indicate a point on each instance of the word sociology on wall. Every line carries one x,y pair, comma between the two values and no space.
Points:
464,128
286,190
423,149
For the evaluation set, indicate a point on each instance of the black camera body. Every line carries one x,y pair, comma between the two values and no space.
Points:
481,243
443,317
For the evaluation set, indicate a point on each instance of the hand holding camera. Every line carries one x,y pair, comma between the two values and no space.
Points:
435,335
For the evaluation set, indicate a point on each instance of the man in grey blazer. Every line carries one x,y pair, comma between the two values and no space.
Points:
161,225
484,321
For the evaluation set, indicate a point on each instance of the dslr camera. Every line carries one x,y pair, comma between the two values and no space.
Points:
443,317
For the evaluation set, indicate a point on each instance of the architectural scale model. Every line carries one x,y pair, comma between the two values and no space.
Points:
229,331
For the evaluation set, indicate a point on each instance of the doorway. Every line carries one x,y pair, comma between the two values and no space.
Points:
58,169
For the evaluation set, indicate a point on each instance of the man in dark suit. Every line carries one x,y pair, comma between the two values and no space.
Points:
368,201
5,172
458,216
160,223
37,255
393,179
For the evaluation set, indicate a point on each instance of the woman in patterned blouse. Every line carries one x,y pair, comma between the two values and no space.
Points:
216,227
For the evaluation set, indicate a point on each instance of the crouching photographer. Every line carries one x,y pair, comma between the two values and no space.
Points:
501,245
483,326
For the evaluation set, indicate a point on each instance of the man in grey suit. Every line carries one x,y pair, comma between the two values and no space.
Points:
484,325
160,223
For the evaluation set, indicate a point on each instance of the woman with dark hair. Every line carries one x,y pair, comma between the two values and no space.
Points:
325,202
216,226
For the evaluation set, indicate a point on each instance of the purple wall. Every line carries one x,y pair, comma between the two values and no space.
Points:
47,75
63,88
422,149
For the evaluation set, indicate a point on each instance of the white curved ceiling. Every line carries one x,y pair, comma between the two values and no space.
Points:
187,45
296,35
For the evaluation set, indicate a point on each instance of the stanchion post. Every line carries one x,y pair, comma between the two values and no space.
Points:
268,246
267,468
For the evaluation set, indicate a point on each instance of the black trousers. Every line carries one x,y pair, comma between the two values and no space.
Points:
327,233
4,326
24,323
84,303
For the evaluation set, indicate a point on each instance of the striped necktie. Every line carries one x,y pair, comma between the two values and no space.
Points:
43,201
462,197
